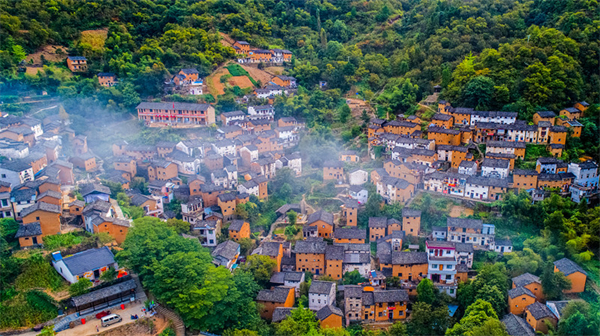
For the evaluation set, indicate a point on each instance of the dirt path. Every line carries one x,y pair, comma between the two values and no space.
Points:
226,40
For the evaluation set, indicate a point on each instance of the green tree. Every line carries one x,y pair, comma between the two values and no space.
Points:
353,278
494,296
553,283
397,329
47,331
246,245
478,93
345,113
8,228
426,291
261,267
80,287
109,275
426,320
292,217
179,225
300,322
480,317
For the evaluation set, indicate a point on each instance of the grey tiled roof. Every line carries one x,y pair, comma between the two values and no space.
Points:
89,260
567,266
321,287
377,222
516,326
518,291
43,206
352,291
407,212
409,258
464,247
29,230
227,249
327,311
334,252
546,114
539,310
525,279
357,258
270,249
350,233
464,223
94,188
111,291
281,313
277,294
236,225
320,215
495,163
310,246
22,195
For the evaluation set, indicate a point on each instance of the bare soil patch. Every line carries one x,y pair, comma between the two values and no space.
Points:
258,75
215,87
274,70
241,81
226,40
52,53
458,210
357,106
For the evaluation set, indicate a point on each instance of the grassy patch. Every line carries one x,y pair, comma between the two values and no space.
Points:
27,310
94,38
67,240
237,70
37,272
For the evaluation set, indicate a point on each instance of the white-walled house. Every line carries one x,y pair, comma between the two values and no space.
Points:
89,264
358,177
321,294
495,168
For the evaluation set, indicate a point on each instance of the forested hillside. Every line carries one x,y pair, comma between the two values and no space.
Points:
525,54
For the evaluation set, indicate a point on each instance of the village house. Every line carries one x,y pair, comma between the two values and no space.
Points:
176,113
530,282
16,172
162,170
358,193
321,294
226,254
239,229
471,231
107,79
273,250
517,326
407,266
152,206
89,264
261,112
384,305
127,165
394,189
278,297
229,117
495,168
519,298
539,316
186,165
310,256
323,221
350,235
77,63
334,259
350,212
548,116
441,257
442,120
30,235
330,317
571,113
208,231
46,214
411,221
288,279
573,272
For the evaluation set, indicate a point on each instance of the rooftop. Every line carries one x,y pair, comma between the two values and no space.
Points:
567,266
89,260
277,294
321,287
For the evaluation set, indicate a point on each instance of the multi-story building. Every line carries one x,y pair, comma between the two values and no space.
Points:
207,231
586,174
441,258
321,294
471,231
176,113
310,256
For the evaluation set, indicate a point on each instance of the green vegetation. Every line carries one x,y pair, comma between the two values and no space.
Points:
27,309
65,240
237,70
80,287
207,298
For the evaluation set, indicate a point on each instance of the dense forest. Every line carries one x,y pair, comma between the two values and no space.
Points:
488,54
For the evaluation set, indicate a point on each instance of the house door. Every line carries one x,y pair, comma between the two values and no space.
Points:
463,239
96,274
435,277
34,239
317,271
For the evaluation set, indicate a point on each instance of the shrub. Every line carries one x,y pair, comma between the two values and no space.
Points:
80,287
57,241
36,272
